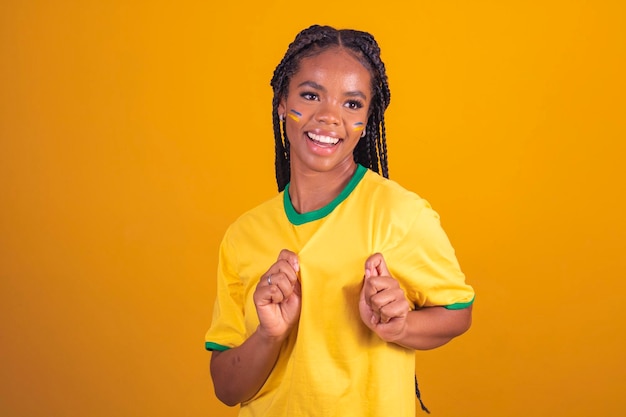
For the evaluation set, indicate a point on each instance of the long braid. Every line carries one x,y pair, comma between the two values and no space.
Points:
371,151
383,150
314,35
382,96
280,153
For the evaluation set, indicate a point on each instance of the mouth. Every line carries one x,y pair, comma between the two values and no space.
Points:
321,140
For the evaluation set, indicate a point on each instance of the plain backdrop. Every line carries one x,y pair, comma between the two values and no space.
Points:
132,133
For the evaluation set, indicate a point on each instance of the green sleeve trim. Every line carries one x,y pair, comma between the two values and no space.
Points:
215,346
298,219
460,306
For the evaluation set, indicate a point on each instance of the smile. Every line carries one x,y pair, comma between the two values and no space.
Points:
323,139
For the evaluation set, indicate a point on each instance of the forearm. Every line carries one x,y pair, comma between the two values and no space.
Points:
431,327
240,372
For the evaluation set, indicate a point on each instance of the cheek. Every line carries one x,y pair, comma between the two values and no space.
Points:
295,115
358,127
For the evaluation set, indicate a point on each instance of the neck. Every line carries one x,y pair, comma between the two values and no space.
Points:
310,191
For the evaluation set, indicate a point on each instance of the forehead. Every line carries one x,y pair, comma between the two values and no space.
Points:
334,65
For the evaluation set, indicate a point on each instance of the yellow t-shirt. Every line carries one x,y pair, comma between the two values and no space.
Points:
332,364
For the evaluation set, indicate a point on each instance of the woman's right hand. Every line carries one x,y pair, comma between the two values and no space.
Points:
278,296
240,372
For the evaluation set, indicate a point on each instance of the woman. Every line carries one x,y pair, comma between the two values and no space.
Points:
326,290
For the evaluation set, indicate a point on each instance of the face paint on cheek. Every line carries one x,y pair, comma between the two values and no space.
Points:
295,115
357,127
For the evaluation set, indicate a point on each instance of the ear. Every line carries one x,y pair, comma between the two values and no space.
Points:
282,108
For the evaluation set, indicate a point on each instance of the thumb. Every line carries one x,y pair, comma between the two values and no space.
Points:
376,266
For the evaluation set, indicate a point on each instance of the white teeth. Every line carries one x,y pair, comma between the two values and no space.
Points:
323,139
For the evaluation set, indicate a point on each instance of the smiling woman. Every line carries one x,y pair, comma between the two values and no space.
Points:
325,291
369,102
332,93
128,132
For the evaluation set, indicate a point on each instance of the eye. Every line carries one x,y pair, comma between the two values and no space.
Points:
354,104
307,95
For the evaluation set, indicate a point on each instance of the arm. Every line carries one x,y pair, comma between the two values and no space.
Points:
432,327
240,372
386,311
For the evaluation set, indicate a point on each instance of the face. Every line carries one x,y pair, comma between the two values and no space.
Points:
326,111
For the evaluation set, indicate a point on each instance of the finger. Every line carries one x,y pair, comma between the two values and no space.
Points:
291,258
276,296
389,294
378,284
282,270
375,318
369,288
379,301
388,289
281,279
370,269
383,297
394,310
375,265
297,289
285,283
267,294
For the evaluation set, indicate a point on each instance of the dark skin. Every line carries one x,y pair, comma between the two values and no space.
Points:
331,93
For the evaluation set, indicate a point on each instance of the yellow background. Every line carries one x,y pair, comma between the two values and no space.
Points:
132,133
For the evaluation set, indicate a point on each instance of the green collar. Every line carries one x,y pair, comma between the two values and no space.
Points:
297,219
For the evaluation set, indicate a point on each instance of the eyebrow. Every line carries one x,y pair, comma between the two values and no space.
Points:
321,88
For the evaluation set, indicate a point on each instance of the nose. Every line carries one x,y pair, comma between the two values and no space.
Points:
329,113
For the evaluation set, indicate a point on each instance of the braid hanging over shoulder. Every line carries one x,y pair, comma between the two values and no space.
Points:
371,151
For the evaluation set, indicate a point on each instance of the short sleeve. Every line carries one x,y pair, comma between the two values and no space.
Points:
425,263
227,328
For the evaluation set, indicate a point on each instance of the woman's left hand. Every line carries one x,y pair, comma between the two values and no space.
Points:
383,305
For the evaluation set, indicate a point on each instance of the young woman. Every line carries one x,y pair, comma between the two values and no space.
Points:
325,291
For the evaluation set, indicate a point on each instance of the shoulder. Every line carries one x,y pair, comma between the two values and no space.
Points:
258,218
389,196
398,214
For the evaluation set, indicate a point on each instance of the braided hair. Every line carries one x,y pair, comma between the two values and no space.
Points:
371,150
